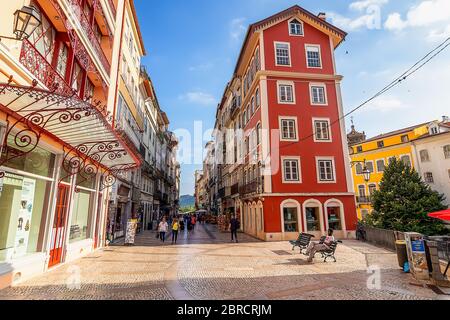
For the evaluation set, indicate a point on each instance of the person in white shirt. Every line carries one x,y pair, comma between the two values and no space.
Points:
163,228
315,247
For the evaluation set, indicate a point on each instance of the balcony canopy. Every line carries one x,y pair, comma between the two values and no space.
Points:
90,144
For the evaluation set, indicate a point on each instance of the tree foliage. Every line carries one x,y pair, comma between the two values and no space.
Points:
404,201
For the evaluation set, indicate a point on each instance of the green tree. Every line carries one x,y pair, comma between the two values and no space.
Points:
404,201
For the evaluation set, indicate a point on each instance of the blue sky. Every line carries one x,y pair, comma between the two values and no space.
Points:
192,47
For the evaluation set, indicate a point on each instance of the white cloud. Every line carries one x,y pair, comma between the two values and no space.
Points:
364,4
237,28
426,13
198,97
439,34
385,104
369,21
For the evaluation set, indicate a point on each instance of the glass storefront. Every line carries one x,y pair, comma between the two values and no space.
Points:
82,208
313,219
23,203
334,218
290,220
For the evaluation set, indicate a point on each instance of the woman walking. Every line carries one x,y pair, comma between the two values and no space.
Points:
163,226
175,227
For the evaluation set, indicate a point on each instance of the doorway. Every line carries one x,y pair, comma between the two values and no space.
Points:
59,226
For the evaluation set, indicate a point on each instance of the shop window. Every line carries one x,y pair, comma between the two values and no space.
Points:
312,219
334,218
290,220
23,203
80,216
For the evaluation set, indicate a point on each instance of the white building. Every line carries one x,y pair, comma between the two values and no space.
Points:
432,156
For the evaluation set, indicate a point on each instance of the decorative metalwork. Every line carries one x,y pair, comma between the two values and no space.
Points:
90,34
32,112
36,63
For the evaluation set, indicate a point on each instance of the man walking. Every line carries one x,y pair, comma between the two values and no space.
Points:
234,227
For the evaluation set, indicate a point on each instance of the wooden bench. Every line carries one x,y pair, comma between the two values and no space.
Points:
303,241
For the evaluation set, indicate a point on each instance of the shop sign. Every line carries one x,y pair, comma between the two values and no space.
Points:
131,231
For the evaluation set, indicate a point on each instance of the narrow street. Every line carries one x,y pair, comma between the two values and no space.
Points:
206,265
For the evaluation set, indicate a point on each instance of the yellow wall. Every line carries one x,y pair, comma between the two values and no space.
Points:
393,147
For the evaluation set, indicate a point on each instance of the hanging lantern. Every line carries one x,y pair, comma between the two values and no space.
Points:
26,20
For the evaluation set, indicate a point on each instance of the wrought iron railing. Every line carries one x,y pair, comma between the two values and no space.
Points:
113,8
251,187
364,200
235,189
87,28
36,63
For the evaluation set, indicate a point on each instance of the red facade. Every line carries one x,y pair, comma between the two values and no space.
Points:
319,191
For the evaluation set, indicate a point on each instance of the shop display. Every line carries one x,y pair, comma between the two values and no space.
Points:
24,216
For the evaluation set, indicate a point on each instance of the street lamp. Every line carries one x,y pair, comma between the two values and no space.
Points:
26,20
366,172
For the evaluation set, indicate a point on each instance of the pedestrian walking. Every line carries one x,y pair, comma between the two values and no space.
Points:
163,228
193,222
234,227
175,228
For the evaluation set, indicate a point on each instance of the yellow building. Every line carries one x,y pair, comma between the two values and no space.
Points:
374,155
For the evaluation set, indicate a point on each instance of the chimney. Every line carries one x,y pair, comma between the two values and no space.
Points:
322,16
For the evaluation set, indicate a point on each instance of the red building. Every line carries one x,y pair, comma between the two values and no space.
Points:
287,171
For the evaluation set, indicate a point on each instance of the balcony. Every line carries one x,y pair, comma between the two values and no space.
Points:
364,200
33,60
88,31
221,193
251,187
227,192
235,189
157,195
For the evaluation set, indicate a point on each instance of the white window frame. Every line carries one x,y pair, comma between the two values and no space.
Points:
384,163
283,177
330,136
320,55
280,122
276,55
286,83
332,159
320,85
290,30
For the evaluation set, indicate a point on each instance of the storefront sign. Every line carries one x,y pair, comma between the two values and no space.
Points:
131,231
24,216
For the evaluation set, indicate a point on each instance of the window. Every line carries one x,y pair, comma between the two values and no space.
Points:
80,216
325,170
424,156
334,218
372,189
381,165
362,191
77,78
322,130
312,218
258,134
429,177
282,54
285,93
405,138
253,105
290,219
295,28
291,170
359,168
380,144
288,129
257,98
447,152
369,166
406,160
62,60
318,95
313,56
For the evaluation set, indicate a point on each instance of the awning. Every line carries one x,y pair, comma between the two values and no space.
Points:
89,141
441,215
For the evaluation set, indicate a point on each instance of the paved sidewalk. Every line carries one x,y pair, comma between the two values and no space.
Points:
206,265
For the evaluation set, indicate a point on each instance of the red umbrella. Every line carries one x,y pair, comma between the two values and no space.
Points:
441,215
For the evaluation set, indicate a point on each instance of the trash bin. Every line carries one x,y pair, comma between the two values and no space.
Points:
402,254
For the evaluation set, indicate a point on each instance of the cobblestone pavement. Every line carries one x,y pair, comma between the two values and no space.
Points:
206,265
